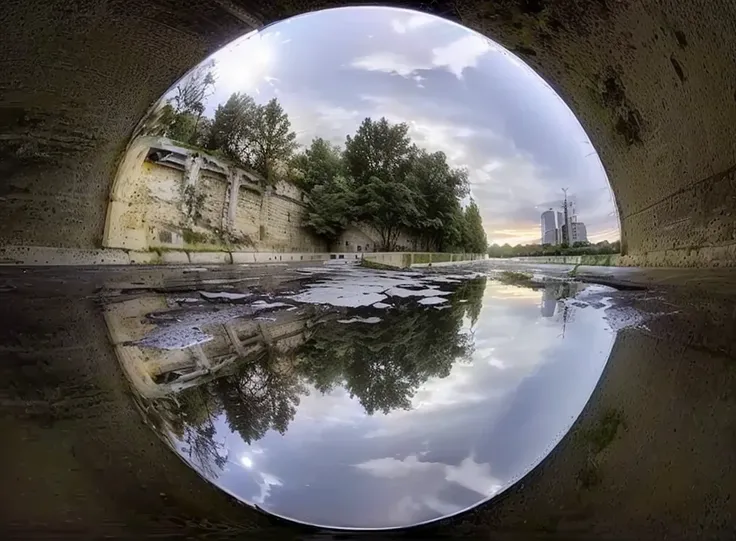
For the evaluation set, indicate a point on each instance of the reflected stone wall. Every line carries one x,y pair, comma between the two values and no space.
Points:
157,371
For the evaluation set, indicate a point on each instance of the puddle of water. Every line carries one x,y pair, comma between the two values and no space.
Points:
355,402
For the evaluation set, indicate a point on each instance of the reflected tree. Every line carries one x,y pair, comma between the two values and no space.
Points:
471,292
384,364
190,416
262,395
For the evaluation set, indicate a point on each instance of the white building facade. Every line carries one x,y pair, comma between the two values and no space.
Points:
553,227
549,227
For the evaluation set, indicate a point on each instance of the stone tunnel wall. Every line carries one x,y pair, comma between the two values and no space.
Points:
652,81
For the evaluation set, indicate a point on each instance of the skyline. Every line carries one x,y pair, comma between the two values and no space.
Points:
459,92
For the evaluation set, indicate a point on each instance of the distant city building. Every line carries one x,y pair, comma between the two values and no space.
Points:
579,233
556,231
549,227
560,223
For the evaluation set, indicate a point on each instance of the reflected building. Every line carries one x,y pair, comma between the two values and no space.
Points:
549,302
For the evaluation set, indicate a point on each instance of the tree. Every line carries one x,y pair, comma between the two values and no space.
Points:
378,149
192,91
383,364
232,129
475,241
379,158
185,108
319,163
389,207
273,141
190,415
439,190
330,208
258,398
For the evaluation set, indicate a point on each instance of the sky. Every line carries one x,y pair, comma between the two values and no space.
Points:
458,91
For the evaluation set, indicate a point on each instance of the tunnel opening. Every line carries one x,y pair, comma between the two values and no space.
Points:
241,198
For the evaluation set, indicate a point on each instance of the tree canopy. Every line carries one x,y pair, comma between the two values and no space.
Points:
380,179
578,248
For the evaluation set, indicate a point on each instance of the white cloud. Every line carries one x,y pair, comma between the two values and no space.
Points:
469,474
455,57
267,481
461,54
413,22
474,476
388,63
392,468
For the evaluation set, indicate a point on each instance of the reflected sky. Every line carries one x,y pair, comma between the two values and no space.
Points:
387,414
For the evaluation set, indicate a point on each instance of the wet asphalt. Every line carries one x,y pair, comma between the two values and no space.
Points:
79,460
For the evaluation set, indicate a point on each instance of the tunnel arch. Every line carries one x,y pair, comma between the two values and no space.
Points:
652,82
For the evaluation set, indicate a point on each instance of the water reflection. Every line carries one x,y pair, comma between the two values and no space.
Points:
366,415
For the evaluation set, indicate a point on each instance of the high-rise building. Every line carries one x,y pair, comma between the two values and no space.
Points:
549,227
558,227
579,232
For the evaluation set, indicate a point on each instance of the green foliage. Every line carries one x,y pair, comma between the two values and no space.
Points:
381,178
182,118
259,397
389,206
439,190
330,208
605,430
474,236
192,91
257,136
193,202
232,129
398,188
382,365
379,157
379,149
526,250
273,141
319,163
193,237
191,417
320,172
